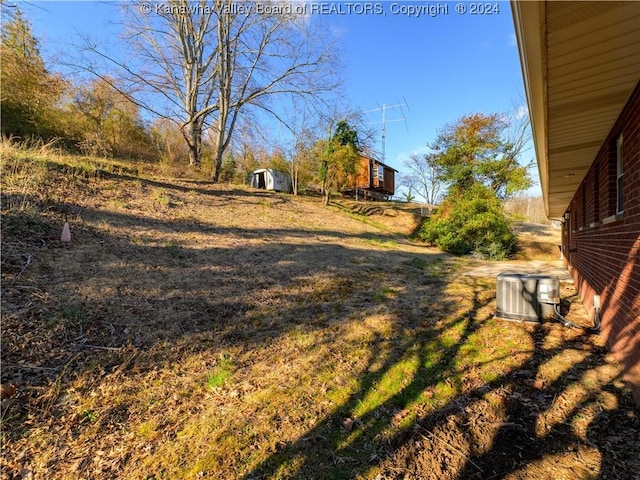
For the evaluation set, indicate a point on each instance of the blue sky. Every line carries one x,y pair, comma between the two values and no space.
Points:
441,66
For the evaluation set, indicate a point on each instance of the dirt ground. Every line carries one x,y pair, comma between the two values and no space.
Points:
192,330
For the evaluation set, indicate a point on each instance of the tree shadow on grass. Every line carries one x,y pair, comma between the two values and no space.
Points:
534,426
110,308
352,439
534,429
124,174
551,423
120,312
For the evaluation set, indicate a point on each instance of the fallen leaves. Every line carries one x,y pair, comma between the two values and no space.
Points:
8,390
112,344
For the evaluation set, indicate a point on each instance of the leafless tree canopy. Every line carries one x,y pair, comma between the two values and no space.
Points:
423,178
203,63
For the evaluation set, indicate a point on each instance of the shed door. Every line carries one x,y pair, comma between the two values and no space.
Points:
261,180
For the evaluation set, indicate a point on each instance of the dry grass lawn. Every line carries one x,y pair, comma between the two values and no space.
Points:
194,331
538,242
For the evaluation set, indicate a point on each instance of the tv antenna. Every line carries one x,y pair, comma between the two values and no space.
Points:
384,121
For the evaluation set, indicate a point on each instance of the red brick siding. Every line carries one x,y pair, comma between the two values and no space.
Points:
608,170
589,198
605,258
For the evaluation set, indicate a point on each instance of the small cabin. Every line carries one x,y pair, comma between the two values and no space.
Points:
270,179
374,180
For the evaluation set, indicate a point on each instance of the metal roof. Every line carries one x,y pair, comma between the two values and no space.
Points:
580,62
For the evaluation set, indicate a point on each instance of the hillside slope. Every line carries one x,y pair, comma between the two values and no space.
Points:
192,330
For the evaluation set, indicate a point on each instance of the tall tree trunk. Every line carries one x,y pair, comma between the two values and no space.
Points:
326,195
195,143
225,75
218,152
194,157
220,146
294,181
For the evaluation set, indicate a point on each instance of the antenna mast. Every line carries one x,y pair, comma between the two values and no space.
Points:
384,109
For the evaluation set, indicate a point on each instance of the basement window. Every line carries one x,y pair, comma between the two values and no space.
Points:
619,176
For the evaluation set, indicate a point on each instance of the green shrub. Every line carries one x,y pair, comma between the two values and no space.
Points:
471,221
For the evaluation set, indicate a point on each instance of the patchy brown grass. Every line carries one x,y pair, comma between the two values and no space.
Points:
201,331
538,242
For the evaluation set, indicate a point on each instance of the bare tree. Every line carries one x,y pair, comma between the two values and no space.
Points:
304,160
527,208
169,65
424,177
517,138
262,56
305,128
201,64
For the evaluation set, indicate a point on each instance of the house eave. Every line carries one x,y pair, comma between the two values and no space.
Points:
580,63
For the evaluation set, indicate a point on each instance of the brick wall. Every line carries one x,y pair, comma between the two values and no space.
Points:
602,249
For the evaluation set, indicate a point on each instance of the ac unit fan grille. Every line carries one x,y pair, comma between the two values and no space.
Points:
526,297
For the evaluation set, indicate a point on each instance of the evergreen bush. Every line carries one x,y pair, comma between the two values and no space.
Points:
471,221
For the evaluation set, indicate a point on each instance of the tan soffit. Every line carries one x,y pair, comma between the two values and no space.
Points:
580,62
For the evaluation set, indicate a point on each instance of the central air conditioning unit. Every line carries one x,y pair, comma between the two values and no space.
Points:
526,297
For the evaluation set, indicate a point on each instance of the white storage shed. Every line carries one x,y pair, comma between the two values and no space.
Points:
270,179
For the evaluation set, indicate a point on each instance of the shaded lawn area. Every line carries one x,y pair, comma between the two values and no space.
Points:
228,335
